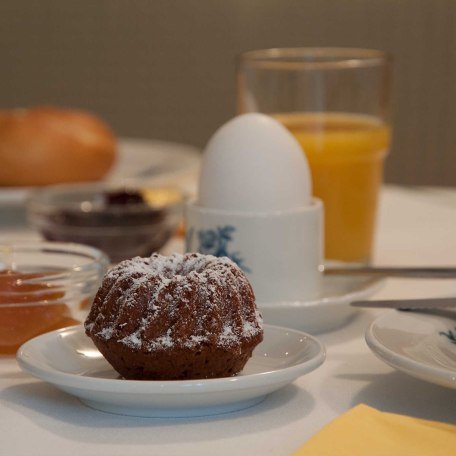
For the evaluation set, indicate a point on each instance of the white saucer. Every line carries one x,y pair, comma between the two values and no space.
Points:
68,359
416,344
327,311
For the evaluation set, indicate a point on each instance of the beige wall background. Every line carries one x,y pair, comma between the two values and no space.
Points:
164,69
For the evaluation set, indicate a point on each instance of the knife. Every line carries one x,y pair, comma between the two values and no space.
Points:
391,271
408,304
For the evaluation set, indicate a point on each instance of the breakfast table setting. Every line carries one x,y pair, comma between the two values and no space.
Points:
415,226
336,290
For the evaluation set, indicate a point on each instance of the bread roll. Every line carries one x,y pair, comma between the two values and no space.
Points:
47,145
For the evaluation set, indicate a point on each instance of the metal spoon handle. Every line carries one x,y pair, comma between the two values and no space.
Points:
431,303
405,272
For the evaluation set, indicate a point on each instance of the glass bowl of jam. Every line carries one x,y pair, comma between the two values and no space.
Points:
123,222
45,286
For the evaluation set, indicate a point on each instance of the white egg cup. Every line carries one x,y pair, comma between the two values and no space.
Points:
280,251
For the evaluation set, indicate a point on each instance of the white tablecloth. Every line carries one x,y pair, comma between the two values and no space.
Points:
416,227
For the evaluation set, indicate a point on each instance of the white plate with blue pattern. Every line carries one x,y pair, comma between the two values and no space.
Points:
421,345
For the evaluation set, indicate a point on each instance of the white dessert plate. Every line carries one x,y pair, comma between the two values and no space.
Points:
144,159
421,345
327,311
68,359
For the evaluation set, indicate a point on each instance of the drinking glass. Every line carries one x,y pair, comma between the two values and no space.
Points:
336,102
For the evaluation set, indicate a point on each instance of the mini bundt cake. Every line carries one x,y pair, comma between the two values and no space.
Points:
179,317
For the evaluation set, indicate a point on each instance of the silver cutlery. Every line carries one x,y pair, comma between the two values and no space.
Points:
440,307
408,304
391,271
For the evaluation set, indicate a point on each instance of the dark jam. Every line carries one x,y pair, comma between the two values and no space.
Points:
123,225
123,197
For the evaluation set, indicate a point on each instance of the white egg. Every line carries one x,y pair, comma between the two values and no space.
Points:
254,164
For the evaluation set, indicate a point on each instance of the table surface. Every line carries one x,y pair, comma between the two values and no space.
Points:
416,227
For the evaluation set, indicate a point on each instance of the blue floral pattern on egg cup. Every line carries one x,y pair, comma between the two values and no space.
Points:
216,242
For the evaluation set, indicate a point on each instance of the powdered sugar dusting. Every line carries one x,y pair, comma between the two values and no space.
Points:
132,340
106,333
184,291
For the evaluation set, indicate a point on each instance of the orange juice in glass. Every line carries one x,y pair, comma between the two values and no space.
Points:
335,102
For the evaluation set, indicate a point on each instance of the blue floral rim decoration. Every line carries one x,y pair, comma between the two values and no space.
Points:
450,335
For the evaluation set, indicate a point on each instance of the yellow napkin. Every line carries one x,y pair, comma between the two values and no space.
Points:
365,431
